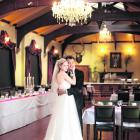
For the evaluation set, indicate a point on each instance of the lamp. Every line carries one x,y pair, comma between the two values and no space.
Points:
5,37
104,34
72,11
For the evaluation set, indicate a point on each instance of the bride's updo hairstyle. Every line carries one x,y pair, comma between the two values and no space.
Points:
60,62
57,67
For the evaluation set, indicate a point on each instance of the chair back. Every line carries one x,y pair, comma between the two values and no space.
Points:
136,91
104,114
130,114
124,96
136,96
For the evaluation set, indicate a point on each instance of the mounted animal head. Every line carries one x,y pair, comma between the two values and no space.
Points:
79,52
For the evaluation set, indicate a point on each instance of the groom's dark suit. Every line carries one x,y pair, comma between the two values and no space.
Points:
77,91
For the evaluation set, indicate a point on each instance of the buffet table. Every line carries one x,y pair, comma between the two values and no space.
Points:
19,112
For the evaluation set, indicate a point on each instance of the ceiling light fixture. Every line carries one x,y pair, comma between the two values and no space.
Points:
104,34
72,12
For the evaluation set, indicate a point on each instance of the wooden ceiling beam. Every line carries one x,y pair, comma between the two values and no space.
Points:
12,5
71,39
113,1
70,30
134,29
115,16
41,21
48,19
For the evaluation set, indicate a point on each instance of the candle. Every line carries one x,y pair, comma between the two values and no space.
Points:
25,82
29,81
33,81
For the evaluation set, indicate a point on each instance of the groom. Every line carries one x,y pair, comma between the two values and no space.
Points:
76,90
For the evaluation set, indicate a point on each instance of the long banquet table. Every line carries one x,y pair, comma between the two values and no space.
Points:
16,113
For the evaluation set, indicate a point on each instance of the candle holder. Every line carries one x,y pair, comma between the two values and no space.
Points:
29,84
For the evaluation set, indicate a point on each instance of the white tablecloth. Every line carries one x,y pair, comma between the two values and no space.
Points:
20,112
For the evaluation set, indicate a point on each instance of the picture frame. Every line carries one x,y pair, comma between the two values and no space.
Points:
115,60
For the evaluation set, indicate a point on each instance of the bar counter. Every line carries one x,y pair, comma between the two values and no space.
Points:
106,89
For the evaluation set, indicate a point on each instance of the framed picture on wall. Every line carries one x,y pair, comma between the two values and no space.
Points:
115,60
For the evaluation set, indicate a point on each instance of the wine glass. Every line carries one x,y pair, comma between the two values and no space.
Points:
120,102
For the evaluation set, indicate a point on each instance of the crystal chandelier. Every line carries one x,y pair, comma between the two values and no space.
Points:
104,34
72,11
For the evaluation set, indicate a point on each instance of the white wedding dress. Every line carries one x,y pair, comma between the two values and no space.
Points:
64,123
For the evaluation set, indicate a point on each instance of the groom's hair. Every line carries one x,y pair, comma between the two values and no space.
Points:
69,57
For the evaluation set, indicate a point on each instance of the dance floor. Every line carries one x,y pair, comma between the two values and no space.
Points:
37,130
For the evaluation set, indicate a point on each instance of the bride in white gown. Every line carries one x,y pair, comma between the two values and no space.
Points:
64,123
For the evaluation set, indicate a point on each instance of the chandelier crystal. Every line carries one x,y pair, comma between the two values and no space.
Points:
72,11
104,34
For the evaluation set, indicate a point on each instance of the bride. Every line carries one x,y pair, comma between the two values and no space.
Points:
64,123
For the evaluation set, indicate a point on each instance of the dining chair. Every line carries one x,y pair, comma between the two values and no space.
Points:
124,96
136,90
130,120
104,120
136,96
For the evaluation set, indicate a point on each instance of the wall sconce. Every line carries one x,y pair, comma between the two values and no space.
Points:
103,49
54,52
5,37
33,44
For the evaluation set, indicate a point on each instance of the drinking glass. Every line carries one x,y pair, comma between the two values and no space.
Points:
120,102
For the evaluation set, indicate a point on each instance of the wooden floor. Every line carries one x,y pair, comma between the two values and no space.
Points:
37,130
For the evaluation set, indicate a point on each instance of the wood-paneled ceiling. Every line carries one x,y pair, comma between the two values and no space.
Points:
36,16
